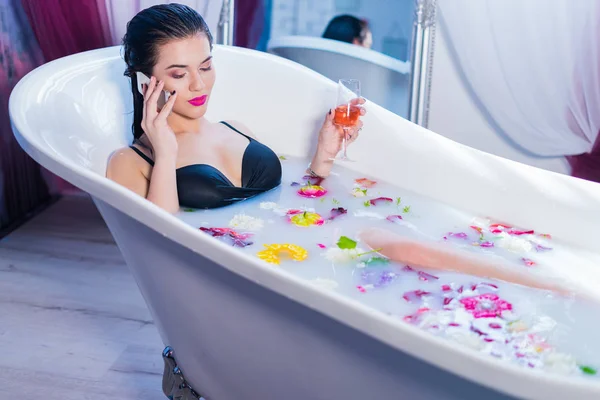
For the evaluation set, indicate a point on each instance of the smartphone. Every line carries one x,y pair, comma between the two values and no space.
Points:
141,79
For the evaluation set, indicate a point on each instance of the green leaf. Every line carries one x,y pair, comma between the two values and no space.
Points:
322,199
282,158
367,203
398,201
189,209
587,370
334,201
346,243
406,209
377,261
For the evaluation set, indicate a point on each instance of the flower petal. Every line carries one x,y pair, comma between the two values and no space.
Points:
366,183
374,202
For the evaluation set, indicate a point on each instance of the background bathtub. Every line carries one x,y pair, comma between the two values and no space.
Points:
384,79
242,329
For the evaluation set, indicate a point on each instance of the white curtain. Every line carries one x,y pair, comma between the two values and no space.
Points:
533,66
121,11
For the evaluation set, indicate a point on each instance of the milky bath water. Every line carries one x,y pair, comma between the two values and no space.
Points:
310,229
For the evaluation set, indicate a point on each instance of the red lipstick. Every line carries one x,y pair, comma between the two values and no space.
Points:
198,101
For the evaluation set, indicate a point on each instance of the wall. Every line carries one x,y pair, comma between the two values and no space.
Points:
390,20
454,114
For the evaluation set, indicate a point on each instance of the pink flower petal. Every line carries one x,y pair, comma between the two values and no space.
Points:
500,226
528,262
424,276
380,200
312,191
487,305
234,238
321,245
446,288
459,235
478,229
486,244
539,247
519,233
336,212
407,268
361,289
366,183
394,218
415,295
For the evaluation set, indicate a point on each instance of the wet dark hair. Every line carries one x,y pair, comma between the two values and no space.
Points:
346,28
149,29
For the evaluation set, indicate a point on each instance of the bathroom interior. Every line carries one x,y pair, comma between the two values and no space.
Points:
478,137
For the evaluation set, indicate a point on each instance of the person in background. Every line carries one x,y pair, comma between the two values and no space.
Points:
349,29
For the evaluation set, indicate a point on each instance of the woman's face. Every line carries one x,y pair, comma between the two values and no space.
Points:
366,42
186,66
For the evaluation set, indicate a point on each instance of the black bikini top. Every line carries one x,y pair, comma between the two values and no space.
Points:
204,186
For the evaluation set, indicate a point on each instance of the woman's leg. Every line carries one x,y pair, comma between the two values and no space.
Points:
442,256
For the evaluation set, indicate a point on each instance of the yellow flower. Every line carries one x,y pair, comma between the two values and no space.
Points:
273,252
306,219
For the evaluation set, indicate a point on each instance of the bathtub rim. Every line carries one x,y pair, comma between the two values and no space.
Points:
483,369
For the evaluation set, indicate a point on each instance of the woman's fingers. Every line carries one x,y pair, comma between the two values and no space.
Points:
166,110
151,105
149,89
358,101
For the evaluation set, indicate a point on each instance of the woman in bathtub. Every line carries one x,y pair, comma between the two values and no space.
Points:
178,157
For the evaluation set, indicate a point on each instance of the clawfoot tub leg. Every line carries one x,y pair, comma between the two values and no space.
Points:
174,385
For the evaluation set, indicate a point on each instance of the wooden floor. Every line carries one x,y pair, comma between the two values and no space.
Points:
73,324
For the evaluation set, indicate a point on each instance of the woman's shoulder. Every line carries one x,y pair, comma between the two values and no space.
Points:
123,161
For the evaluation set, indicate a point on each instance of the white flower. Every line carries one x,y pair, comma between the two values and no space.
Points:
560,363
514,243
246,222
337,255
326,284
543,324
268,205
439,318
517,326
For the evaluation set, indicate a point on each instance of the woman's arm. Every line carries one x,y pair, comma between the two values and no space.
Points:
441,256
330,142
161,189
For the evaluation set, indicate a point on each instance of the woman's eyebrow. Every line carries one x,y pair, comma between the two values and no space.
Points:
185,66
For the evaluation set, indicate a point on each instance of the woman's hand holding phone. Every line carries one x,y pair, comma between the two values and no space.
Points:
154,121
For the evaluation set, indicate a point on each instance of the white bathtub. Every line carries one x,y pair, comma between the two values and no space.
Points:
242,329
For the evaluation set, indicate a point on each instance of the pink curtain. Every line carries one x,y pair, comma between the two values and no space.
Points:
65,27
248,23
22,187
587,166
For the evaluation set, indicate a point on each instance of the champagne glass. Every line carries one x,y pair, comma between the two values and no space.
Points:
347,111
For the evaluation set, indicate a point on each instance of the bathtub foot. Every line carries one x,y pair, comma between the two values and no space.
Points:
174,385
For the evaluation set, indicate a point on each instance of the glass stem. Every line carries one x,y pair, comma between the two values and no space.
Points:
344,143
